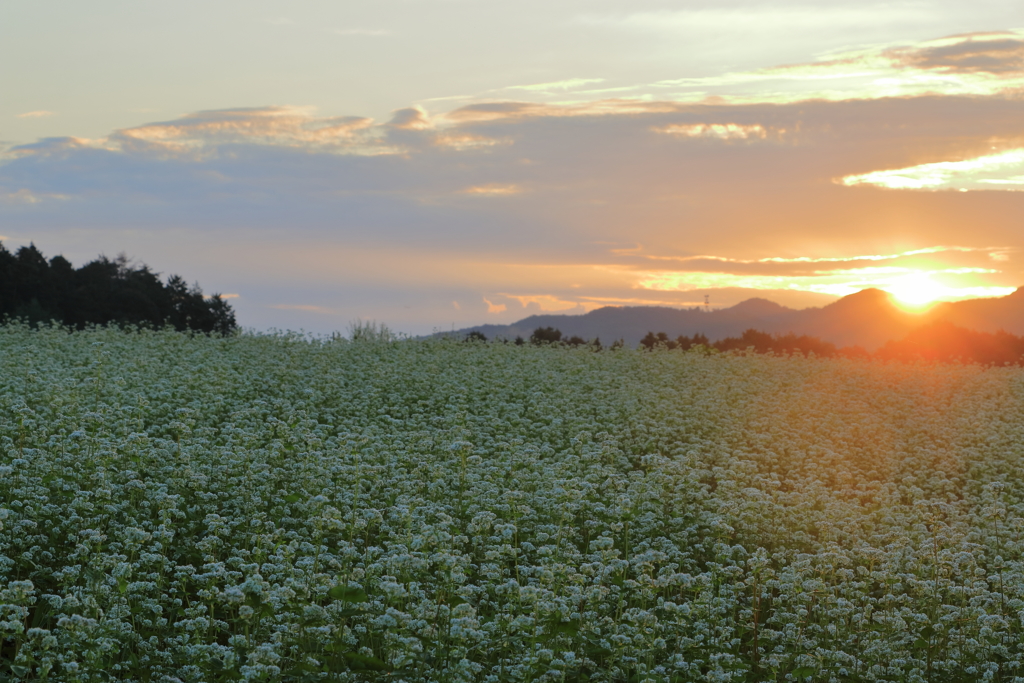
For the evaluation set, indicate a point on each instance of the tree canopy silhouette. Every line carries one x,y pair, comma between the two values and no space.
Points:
945,342
104,292
546,335
759,342
940,342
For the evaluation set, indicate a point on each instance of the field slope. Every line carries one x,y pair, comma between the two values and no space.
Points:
278,508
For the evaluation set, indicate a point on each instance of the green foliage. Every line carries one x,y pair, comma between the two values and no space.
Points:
279,508
545,335
945,342
370,331
103,292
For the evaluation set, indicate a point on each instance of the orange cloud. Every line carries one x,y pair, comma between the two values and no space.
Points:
549,303
1002,171
971,64
197,135
948,283
410,118
493,190
494,308
293,126
499,111
998,53
718,131
463,141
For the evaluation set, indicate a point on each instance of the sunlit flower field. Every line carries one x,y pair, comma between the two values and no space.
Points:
273,507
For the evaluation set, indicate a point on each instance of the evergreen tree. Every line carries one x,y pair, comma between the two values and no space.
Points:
545,335
103,292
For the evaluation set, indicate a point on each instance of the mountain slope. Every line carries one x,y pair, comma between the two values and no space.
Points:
868,318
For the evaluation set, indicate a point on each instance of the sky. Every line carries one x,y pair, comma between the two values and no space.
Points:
437,164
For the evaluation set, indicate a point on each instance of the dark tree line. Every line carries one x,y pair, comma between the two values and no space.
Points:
551,335
759,342
104,292
945,342
937,342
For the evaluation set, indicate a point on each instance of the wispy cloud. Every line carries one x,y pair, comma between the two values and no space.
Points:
567,84
35,114
26,196
273,125
463,141
719,131
410,118
813,264
976,64
839,276
501,111
493,190
549,303
1002,171
947,283
204,132
999,53
972,64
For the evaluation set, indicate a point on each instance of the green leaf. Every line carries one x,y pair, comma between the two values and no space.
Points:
569,628
358,661
803,672
346,594
22,671
595,650
292,498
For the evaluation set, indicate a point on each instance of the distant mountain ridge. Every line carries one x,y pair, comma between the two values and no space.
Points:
868,318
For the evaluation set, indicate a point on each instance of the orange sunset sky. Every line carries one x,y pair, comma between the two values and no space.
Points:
439,163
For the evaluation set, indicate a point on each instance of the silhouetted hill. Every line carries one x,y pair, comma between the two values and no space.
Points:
868,318
945,342
985,315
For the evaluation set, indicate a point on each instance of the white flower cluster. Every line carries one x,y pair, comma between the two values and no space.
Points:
273,507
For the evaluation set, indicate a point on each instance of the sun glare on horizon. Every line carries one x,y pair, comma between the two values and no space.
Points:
917,292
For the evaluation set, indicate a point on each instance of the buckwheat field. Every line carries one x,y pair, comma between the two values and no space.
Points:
279,508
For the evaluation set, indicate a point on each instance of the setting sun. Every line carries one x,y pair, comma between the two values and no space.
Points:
917,291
